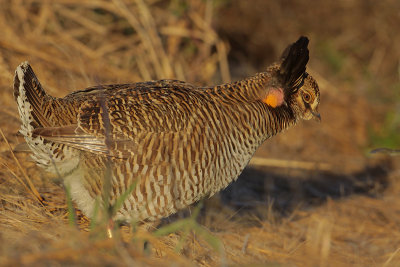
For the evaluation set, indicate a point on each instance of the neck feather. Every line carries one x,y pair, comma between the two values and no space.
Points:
246,90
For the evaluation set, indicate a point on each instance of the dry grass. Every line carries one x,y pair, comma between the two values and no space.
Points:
340,211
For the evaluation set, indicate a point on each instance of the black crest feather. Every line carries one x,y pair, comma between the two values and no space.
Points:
293,67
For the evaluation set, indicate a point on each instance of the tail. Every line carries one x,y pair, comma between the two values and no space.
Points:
29,95
33,106
293,66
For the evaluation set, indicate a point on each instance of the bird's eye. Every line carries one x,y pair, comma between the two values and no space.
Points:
306,97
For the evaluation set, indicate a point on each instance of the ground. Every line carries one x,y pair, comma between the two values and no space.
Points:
313,196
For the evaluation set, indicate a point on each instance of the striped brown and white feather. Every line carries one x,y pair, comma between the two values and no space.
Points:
175,141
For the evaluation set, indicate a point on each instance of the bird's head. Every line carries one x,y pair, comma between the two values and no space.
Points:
292,86
306,100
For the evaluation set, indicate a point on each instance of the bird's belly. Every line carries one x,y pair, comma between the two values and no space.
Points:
154,191
159,195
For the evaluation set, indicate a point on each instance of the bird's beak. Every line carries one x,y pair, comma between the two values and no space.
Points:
316,115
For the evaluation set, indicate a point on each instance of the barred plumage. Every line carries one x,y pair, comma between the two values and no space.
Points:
176,142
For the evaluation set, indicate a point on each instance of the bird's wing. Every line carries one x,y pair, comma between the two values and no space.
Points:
151,125
132,88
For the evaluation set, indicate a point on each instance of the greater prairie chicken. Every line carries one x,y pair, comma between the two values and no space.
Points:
173,141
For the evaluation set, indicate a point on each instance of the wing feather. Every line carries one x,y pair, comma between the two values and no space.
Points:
137,127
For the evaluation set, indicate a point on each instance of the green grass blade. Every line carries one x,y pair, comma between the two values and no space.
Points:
70,207
213,241
121,199
93,222
172,227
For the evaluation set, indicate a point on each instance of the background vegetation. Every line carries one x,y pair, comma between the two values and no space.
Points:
313,196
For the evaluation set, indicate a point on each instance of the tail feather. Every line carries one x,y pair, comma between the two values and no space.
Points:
294,62
29,94
34,106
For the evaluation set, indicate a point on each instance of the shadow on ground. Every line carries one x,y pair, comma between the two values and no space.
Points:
257,193
257,190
